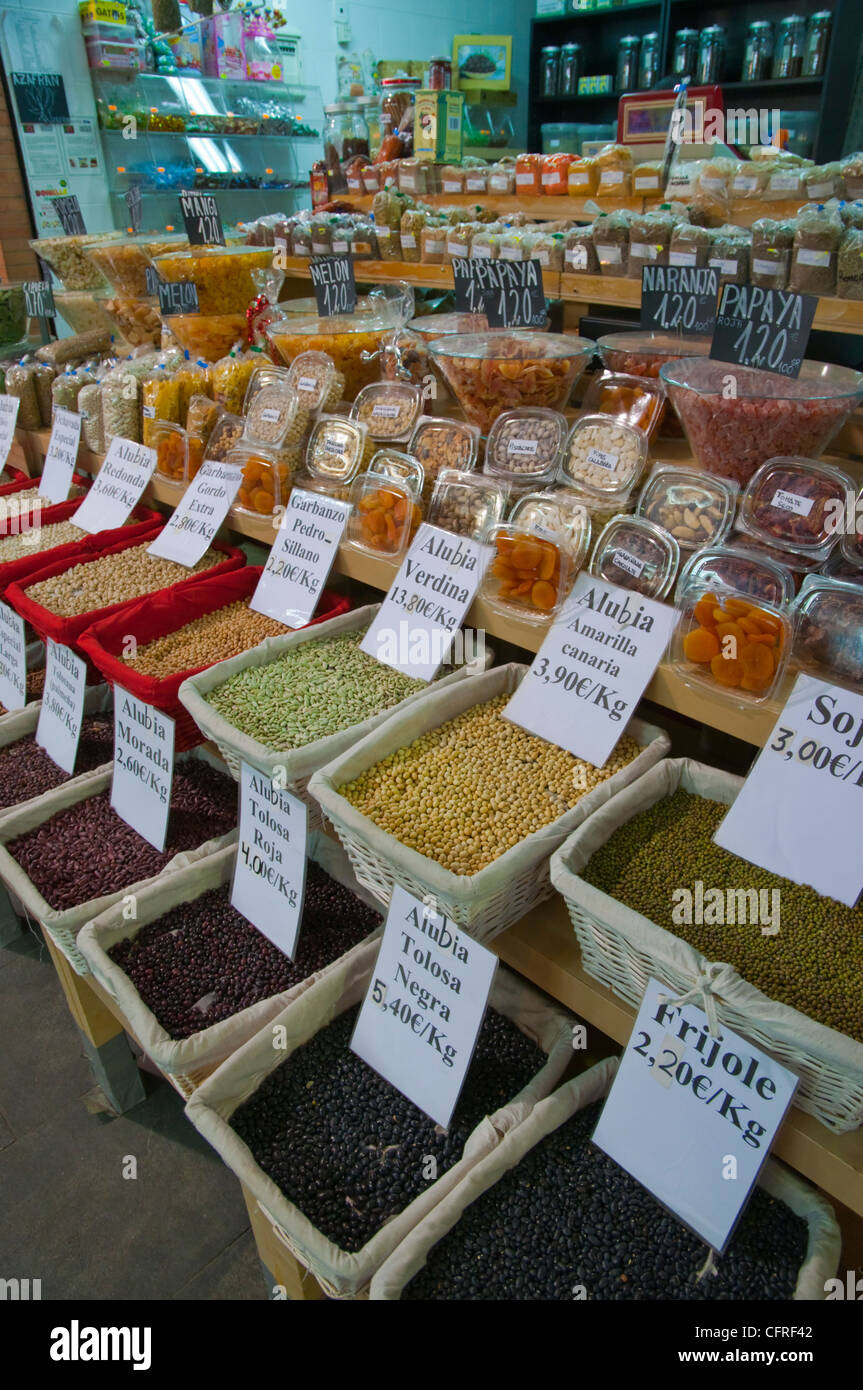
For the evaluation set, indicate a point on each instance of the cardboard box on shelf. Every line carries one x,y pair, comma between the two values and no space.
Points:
439,126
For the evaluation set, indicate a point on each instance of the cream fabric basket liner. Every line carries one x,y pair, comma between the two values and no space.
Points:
622,949
342,1274
64,925
822,1255
207,1049
299,763
22,723
487,902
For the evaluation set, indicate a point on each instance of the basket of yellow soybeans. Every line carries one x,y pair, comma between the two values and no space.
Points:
463,808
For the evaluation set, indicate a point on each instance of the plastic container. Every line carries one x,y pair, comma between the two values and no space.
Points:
202,417
828,637
798,505
389,409
466,503
67,257
604,456
172,460
631,400
265,483
274,414
224,275
337,450
351,341
431,326
317,383
439,443
559,515
384,516
400,468
124,262
494,372
634,554
697,510
208,336
749,572
641,352
745,669
524,446
770,415
226,434
798,566
529,576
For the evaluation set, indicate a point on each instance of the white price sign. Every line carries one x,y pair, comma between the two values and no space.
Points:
143,766
13,659
8,418
592,668
62,455
425,1003
270,873
302,556
205,504
125,472
807,780
692,1116
426,603
62,710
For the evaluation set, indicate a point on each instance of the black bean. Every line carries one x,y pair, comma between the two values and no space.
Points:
207,951
348,1149
568,1217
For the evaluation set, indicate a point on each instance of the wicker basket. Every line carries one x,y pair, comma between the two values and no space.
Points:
622,949
485,903
824,1243
341,1273
63,925
298,763
22,723
186,1062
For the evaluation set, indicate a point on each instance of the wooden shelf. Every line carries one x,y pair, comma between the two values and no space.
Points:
543,947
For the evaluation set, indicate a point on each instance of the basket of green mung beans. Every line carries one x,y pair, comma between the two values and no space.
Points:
637,876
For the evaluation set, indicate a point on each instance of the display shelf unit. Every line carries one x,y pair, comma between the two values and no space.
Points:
599,32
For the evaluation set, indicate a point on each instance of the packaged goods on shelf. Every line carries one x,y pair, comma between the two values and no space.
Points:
729,254
610,233
772,243
815,251
74,348
21,382
615,164
498,1233
649,240
613,875
849,265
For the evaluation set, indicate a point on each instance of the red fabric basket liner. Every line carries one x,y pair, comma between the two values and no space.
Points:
168,611
16,571
22,482
16,479
68,630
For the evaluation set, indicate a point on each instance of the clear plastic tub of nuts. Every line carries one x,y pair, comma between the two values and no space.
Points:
201,418
392,463
559,513
633,553
748,571
227,433
604,456
524,446
317,382
388,408
440,443
466,503
336,452
274,415
696,508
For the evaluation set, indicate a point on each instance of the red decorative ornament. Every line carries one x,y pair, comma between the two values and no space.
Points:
258,319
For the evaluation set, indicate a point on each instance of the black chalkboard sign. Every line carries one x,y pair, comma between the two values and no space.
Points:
40,97
679,298
767,329
335,286
469,291
181,297
39,299
69,212
515,297
203,219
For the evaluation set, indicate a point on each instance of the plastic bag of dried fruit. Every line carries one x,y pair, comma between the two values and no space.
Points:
342,1273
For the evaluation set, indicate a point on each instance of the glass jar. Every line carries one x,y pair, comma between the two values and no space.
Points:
711,55
549,71
790,44
571,68
685,59
627,63
817,41
648,61
337,129
440,74
370,109
356,140
758,52
396,100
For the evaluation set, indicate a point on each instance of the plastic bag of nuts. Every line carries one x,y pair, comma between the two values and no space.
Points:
697,509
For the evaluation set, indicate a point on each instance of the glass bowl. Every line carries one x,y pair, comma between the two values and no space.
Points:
225,275
770,415
489,373
124,263
352,341
431,326
207,336
643,352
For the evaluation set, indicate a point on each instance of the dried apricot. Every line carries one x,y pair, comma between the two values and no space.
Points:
543,595
700,645
726,671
